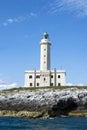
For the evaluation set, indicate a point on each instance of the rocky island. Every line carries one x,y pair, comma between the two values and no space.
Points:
45,102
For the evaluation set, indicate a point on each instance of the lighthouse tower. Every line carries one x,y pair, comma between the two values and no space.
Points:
45,60
45,53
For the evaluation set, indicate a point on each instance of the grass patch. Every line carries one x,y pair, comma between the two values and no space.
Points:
30,114
39,88
78,113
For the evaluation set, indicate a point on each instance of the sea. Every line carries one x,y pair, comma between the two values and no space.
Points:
58,123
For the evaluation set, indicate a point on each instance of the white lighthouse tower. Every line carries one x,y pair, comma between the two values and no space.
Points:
45,76
45,53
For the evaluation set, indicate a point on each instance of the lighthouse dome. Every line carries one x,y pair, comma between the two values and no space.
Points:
45,39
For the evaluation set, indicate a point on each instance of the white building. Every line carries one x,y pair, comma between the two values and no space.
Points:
45,76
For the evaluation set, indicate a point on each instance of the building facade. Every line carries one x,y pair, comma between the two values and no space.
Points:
45,77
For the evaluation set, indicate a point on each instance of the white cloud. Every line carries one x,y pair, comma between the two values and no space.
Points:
10,20
8,86
33,14
1,81
69,84
72,84
78,7
18,19
4,85
80,84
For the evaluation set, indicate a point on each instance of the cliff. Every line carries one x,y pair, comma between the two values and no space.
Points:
44,102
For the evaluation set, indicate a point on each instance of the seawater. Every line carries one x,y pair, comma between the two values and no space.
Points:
60,123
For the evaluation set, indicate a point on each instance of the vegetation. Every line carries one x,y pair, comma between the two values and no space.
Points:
30,114
39,88
36,114
78,113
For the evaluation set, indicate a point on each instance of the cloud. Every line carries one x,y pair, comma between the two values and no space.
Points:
18,19
78,7
10,21
80,84
71,84
1,81
8,86
4,85
33,14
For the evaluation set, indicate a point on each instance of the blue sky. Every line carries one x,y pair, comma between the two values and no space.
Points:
22,23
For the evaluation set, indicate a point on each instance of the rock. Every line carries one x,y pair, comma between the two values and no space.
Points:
44,102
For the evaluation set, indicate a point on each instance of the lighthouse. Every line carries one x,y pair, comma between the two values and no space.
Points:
45,76
45,53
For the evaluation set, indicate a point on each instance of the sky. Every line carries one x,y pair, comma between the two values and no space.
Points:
22,24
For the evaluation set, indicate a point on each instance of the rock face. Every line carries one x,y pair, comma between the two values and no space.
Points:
53,101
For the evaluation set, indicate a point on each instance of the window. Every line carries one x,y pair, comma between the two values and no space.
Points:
44,49
37,84
44,79
44,62
37,76
44,55
30,76
30,84
51,84
51,76
58,76
59,84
